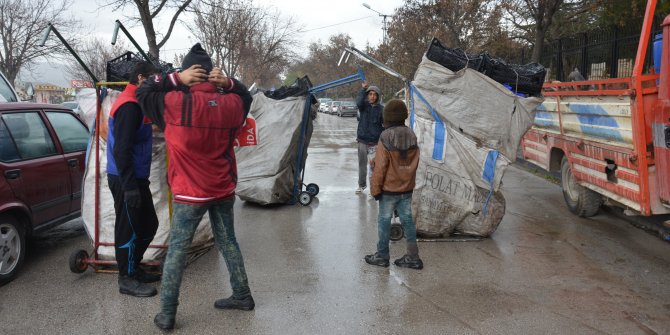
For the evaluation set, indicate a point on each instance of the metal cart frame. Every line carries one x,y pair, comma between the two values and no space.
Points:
80,260
311,190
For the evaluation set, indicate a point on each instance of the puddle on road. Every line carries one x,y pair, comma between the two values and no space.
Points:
55,236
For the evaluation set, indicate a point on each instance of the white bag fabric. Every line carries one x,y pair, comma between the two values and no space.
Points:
467,139
266,171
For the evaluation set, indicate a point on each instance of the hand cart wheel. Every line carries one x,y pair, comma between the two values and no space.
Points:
305,198
312,189
76,261
397,232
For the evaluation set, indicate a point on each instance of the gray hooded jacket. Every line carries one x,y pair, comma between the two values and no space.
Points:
371,119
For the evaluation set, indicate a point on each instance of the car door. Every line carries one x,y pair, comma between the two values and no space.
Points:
36,172
73,139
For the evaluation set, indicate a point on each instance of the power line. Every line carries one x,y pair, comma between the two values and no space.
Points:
336,24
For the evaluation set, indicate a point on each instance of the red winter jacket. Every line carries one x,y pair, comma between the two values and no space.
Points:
200,124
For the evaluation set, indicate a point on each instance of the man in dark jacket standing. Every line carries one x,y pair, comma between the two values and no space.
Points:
369,129
200,111
128,163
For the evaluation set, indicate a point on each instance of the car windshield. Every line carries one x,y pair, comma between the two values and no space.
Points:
336,103
348,103
325,100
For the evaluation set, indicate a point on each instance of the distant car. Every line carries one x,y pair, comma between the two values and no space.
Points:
74,106
323,102
327,107
334,106
347,108
42,150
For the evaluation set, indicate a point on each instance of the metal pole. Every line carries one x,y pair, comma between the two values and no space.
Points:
49,28
132,40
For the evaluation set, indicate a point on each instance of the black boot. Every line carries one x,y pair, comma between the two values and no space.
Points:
409,261
245,304
164,321
131,286
146,277
376,259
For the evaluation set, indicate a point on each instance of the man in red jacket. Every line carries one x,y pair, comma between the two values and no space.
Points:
200,110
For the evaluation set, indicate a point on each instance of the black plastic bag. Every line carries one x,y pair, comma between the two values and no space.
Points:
300,87
523,79
120,68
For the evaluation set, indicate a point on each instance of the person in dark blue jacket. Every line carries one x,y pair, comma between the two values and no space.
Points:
129,149
369,128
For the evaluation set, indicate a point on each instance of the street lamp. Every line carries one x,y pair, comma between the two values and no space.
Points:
384,16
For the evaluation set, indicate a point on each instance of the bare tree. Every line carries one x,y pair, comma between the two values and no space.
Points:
95,53
249,42
534,19
321,65
149,12
21,26
223,27
270,50
467,24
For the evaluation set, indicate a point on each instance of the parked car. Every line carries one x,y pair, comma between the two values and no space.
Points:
323,102
74,106
334,106
42,152
347,108
327,107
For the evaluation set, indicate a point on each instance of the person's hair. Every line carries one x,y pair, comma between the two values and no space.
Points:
142,68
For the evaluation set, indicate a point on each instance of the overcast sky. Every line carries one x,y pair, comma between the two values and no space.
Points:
320,19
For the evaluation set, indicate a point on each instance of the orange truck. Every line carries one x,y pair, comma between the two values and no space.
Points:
610,139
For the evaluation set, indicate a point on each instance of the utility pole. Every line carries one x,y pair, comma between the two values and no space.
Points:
384,17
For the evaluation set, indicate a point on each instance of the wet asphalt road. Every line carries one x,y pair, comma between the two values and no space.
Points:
544,271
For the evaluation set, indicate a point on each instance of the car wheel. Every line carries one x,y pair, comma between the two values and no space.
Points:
580,200
12,247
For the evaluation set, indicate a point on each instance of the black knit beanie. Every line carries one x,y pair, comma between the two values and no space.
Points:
197,55
395,111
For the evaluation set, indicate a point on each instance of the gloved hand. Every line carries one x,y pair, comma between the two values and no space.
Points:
378,197
133,198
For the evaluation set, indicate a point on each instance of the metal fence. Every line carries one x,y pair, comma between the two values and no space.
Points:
598,54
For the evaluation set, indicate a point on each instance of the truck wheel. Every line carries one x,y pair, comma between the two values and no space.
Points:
580,200
12,247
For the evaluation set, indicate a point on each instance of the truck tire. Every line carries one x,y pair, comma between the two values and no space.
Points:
12,247
580,200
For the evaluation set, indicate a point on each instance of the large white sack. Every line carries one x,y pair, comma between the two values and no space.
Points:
203,238
266,171
479,119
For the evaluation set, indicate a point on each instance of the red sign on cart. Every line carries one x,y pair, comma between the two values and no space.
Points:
248,135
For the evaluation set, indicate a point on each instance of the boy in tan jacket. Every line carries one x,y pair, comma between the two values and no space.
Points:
392,184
